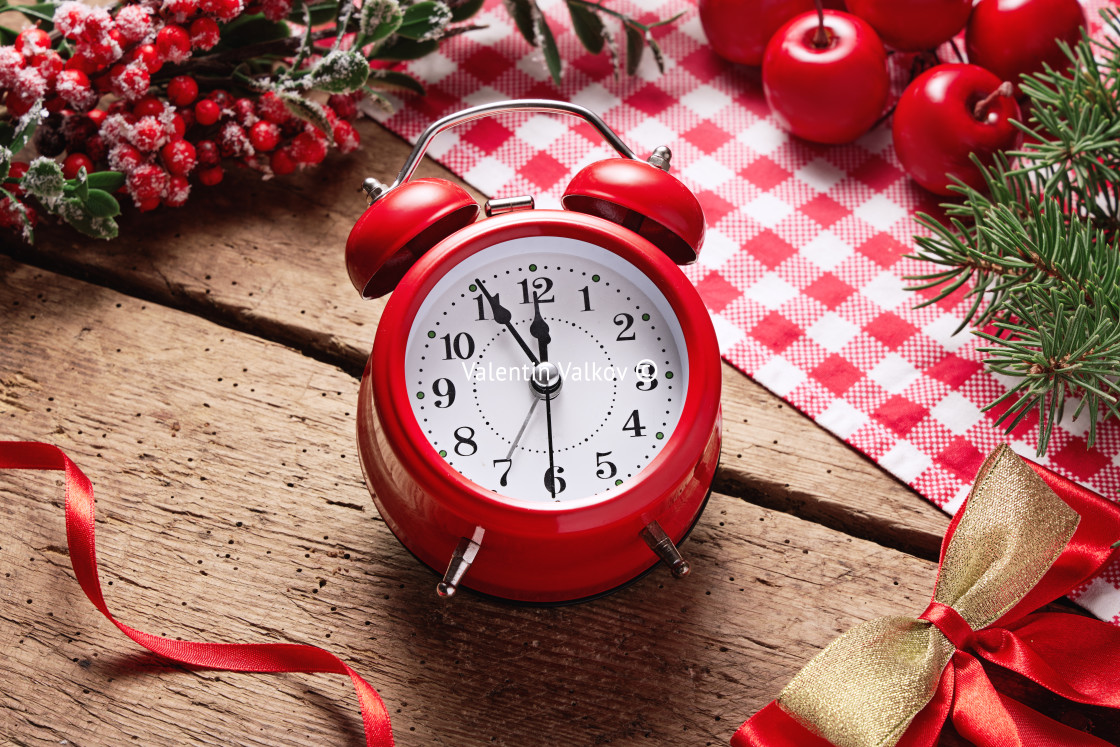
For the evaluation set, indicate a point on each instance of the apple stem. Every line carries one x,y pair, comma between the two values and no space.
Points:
820,39
1005,89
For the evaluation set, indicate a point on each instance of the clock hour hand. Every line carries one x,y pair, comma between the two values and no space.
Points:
503,316
539,329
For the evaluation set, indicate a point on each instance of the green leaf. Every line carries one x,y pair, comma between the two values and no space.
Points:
588,27
319,13
658,57
307,110
79,187
425,20
43,13
635,45
464,10
395,79
110,181
401,49
341,71
101,204
25,128
44,180
521,11
548,47
7,36
74,211
378,19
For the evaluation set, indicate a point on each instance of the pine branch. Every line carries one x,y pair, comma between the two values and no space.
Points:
1038,248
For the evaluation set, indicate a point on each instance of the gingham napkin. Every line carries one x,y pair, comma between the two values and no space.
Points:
802,268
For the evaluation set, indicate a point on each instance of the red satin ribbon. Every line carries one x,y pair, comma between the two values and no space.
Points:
1073,656
236,657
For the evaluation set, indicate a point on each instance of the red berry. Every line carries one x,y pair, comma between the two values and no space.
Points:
345,136
79,61
97,116
148,134
149,106
232,140
222,98
344,105
174,43
179,157
177,192
134,22
245,111
125,158
282,162
70,18
272,108
74,88
224,10
207,151
32,41
178,125
147,182
182,90
95,148
19,103
308,149
180,10
276,10
74,162
146,205
49,64
129,81
211,176
204,33
264,136
16,172
11,62
149,56
206,112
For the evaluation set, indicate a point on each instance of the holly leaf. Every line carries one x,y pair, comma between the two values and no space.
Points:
101,204
308,111
378,19
317,14
635,45
251,29
521,11
588,26
341,71
396,79
43,13
110,181
401,49
463,10
7,36
425,20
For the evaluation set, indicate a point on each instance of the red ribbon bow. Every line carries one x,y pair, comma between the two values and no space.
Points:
236,657
1074,656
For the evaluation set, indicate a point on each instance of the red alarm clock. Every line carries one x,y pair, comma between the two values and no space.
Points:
540,417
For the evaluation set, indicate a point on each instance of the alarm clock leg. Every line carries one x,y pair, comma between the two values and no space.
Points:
461,559
660,543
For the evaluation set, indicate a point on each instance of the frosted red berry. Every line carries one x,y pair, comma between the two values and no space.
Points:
272,108
204,33
282,162
148,134
264,136
182,90
180,10
125,158
134,22
32,41
178,190
223,10
174,43
149,56
129,81
179,157
149,106
207,153
345,137
75,162
308,149
147,182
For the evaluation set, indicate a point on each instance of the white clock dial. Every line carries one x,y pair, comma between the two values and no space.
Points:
610,339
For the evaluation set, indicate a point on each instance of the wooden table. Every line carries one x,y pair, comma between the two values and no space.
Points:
202,370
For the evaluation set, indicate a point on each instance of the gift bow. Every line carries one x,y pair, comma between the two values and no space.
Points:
1023,538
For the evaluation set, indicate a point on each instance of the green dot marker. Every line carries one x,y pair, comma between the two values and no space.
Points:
595,278
660,435
442,453
618,482
419,395
532,268
473,287
431,333
645,317
668,374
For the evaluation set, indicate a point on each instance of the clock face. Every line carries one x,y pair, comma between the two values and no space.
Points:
547,370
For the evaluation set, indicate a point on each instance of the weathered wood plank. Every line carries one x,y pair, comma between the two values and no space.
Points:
231,508
266,257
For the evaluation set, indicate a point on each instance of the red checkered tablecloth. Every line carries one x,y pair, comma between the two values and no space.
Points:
804,262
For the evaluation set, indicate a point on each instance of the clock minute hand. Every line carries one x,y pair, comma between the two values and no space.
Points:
503,316
539,329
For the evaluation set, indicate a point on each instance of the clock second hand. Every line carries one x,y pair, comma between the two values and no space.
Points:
502,315
521,432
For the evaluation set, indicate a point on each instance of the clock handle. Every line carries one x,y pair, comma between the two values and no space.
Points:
375,189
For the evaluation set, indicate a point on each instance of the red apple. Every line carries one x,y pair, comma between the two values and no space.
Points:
948,112
1014,37
825,76
739,29
913,25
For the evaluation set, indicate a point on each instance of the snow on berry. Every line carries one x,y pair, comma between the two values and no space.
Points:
207,151
130,81
204,33
345,105
147,182
135,23
346,137
276,10
174,43
264,136
179,157
272,108
148,134
32,41
308,149
70,18
30,83
11,62
178,190
125,158
179,10
233,142
74,88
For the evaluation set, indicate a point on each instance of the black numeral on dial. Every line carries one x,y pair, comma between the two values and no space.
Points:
606,470
553,482
461,346
634,425
625,321
443,388
465,441
542,287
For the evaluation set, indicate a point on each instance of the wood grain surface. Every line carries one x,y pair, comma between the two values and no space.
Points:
203,370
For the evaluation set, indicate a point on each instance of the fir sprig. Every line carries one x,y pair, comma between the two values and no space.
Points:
1038,247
